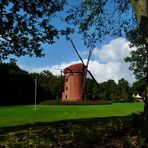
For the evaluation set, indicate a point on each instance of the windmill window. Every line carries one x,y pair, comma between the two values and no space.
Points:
66,96
66,88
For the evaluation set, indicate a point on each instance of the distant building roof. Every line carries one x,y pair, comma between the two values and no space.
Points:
137,96
74,68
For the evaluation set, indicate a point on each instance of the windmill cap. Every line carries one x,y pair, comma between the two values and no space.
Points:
74,68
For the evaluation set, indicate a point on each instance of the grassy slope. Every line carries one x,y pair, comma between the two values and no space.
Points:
11,116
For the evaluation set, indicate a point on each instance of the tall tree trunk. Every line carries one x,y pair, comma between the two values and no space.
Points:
145,123
146,104
146,89
145,37
140,8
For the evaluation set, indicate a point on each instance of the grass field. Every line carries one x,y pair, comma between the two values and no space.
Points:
21,115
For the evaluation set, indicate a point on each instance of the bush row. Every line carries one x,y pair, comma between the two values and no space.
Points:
58,102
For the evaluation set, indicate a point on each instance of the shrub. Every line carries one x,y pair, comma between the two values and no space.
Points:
55,102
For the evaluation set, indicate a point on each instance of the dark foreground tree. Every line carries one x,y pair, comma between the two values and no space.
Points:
138,57
24,25
141,9
16,86
138,63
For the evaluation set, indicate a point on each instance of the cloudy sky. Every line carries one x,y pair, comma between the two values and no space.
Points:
107,60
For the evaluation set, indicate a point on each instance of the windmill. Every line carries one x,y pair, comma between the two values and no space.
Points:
76,74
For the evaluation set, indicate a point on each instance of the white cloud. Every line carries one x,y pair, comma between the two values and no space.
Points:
55,69
111,70
115,51
108,62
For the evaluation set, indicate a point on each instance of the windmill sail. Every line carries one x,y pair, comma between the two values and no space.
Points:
85,71
76,51
85,74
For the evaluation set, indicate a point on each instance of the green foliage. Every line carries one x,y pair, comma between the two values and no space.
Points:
59,102
16,85
98,19
113,132
138,57
139,87
107,91
52,85
110,90
20,85
26,24
138,60
123,90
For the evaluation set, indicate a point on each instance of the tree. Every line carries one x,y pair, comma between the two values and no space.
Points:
141,8
92,90
50,84
89,88
138,87
98,19
16,85
123,90
138,57
25,25
108,90
138,60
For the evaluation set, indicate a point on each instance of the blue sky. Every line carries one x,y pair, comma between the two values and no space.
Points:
106,61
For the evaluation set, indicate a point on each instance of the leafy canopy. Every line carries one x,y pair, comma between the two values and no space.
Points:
24,25
97,19
138,57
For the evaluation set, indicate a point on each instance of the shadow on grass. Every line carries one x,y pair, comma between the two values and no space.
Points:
85,122
89,132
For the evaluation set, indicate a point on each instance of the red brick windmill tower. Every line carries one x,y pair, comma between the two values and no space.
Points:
75,80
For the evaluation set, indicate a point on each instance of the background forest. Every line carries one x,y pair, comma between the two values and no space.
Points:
17,87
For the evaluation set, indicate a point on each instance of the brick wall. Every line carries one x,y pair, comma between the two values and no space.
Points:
72,87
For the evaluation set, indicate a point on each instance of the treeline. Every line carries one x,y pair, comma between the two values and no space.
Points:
17,87
110,90
121,91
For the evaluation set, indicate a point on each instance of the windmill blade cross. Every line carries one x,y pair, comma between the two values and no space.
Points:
76,51
85,71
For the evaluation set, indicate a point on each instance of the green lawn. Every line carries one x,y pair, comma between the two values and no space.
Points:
20,115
